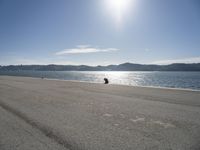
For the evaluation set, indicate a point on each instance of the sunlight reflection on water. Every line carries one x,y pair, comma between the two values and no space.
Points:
190,80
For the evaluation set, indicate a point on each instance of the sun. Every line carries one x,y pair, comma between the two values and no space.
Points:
118,9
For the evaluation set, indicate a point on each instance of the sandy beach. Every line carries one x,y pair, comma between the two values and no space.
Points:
53,114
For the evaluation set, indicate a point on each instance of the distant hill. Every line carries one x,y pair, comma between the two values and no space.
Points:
121,67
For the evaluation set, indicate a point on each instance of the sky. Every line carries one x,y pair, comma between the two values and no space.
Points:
99,32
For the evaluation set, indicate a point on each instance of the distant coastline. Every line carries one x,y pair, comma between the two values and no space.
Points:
120,67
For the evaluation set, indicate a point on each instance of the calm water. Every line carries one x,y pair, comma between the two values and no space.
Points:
189,80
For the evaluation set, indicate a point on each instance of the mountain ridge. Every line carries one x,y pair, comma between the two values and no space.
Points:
121,67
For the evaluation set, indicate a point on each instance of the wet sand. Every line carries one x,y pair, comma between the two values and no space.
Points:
52,114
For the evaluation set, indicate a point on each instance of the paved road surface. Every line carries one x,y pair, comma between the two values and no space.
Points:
49,114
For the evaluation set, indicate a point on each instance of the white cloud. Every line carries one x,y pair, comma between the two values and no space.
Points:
85,49
184,60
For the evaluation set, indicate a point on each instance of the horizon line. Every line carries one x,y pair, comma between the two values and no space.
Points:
95,65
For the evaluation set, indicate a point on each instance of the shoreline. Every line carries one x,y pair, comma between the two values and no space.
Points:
139,86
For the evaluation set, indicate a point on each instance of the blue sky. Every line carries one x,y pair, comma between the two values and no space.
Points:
99,32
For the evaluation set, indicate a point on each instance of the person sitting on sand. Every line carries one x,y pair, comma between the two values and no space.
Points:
106,81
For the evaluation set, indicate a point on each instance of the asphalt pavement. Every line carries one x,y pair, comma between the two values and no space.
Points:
51,114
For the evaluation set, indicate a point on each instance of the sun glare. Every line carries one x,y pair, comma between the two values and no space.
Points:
118,9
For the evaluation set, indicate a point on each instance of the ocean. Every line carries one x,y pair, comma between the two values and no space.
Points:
185,80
